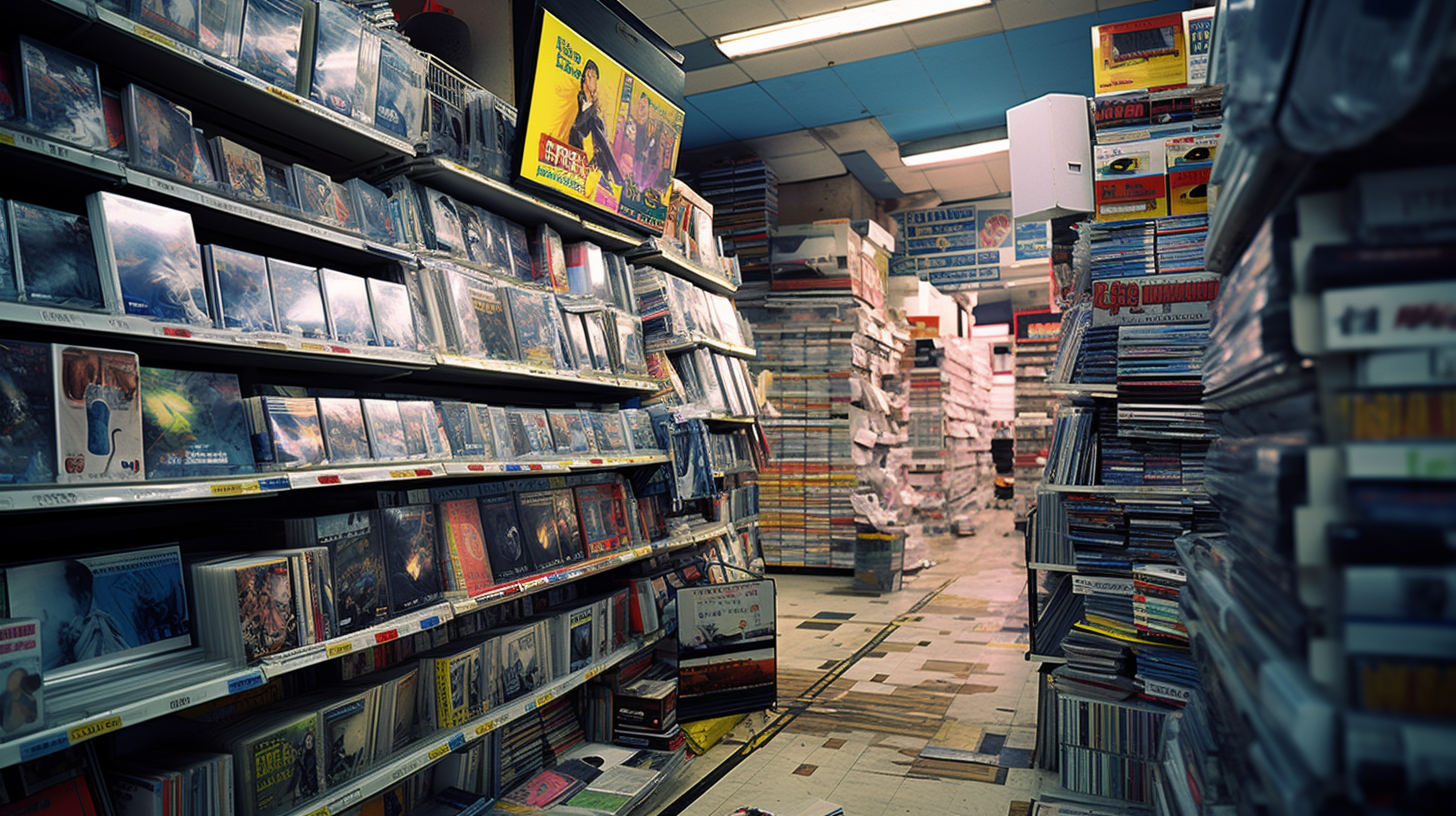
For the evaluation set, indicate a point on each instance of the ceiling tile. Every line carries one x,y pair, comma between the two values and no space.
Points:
1019,13
744,111
961,25
865,134
908,127
1103,5
815,98
868,45
783,63
870,175
808,8
687,4
908,179
726,16
649,8
960,183
1000,170
892,84
712,79
700,131
793,143
674,27
701,54
981,102
806,166
1054,57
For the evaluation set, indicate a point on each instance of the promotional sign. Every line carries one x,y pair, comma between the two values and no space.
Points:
956,248
596,133
1156,299
1145,54
1033,240
726,649
1038,327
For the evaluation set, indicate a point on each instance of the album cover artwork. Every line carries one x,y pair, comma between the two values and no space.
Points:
570,432
462,429
335,71
599,519
284,764
356,550
394,319
462,535
576,340
497,245
193,425
446,221
493,451
28,442
639,429
111,109
317,196
344,207
386,429
522,669
348,737
520,251
497,336
372,211
346,440
417,418
220,25
240,169
237,282
98,415
447,129
278,179
538,524
535,332
409,550
473,234
134,602
298,302
504,541
538,431
596,336
610,433
267,614
346,302
62,94
22,705
568,526
291,435
549,258
162,139
499,425
151,252
272,33
518,434
400,90
55,258
174,18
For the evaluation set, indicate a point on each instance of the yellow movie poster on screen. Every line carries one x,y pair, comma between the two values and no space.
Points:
597,133
1139,55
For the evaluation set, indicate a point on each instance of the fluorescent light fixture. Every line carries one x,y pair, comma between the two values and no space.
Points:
836,24
955,147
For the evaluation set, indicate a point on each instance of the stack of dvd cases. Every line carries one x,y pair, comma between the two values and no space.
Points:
745,198
949,429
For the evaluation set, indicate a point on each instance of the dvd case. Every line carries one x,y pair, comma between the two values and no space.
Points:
371,211
346,441
285,432
111,108
400,90
271,35
570,432
473,234
386,430
193,425
55,258
162,140
446,223
239,169
356,554
549,259
497,245
333,73
237,283
346,303
149,252
409,551
462,541
504,542
278,178
462,430
494,320
447,129
538,524
174,18
98,418
298,302
418,420
62,94
28,445
568,526
22,704
317,196
394,321
531,314
220,27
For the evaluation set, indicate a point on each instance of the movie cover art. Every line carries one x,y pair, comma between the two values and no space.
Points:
462,429
103,609
293,427
400,90
112,110
316,196
345,439
220,24
394,320
579,626
272,32
576,341
500,429
344,207
298,301
28,413
335,58
538,524
538,431
417,419
447,129
519,247
505,543
98,415
386,429
346,301
568,526
611,435
372,212
521,667
639,428
153,252
348,737
473,234
596,336
497,336
409,550
242,300
55,258
193,425
569,432
240,170
446,221
356,550
62,94
463,535
535,333
519,434
278,178
488,439
286,766
267,612
599,523
163,140
497,245
174,18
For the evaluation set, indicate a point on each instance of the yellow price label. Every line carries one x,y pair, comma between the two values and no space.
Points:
401,474
308,346
341,649
323,811
233,489
284,95
485,728
93,729
148,34
545,698
7,139
593,672
439,752
643,551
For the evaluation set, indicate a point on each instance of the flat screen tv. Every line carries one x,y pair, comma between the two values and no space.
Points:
597,132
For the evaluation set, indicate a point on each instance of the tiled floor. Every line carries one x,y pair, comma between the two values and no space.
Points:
937,717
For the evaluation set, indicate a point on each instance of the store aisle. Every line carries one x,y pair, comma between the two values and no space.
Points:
876,694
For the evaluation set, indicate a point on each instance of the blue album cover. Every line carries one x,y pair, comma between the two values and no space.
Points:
272,32
535,331
346,300
193,425
473,234
317,199
345,439
298,301
371,211
175,18
27,414
446,221
291,437
409,552
153,252
400,91
335,58
498,245
62,95
241,296
55,258
386,430
162,139
103,608
394,319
